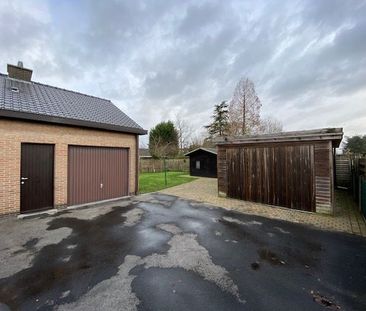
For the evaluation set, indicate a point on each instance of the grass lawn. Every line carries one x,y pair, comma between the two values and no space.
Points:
150,182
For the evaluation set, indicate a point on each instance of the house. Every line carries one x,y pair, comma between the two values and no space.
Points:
60,148
203,162
290,169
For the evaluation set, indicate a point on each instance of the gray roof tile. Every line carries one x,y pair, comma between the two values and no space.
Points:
48,101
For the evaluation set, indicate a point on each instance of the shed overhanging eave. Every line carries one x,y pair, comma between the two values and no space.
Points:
334,134
200,148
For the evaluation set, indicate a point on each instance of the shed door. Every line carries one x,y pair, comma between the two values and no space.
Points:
96,173
36,180
276,175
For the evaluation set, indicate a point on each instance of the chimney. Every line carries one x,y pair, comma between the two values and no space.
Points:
19,72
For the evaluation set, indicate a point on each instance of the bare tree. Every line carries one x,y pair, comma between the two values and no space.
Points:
270,125
185,131
244,109
197,140
195,143
159,148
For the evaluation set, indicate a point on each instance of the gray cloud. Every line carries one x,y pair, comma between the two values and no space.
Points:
155,59
200,19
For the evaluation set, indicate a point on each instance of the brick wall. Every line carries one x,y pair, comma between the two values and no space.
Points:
13,133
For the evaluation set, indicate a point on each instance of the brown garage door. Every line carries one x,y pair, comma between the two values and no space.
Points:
96,173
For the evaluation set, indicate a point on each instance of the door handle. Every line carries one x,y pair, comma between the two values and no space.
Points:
24,178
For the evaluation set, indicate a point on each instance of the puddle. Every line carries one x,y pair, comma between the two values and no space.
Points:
115,292
269,256
133,216
169,228
66,259
57,268
31,243
324,301
27,246
185,252
164,197
192,224
243,232
245,223
149,238
65,294
282,230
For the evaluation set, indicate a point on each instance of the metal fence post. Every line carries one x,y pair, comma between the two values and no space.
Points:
166,182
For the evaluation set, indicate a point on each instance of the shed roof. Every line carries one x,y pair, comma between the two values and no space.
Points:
40,102
330,134
209,150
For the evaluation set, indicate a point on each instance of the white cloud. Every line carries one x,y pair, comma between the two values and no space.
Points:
157,59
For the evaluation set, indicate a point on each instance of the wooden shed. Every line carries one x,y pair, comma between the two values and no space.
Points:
203,162
289,169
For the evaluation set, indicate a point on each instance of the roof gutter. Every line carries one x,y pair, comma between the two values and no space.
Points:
71,122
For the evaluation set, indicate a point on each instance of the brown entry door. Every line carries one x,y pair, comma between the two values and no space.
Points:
36,181
97,173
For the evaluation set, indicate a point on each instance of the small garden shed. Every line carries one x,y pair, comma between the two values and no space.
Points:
203,162
289,169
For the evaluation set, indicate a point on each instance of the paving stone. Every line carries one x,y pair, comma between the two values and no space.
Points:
205,190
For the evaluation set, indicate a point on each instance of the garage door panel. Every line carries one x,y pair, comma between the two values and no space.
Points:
114,165
97,173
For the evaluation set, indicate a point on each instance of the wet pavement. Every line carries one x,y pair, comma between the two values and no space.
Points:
159,252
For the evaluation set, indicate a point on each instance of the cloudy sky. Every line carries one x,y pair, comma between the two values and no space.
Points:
156,59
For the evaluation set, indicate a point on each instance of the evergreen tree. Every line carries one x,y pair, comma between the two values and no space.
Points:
220,124
163,140
356,144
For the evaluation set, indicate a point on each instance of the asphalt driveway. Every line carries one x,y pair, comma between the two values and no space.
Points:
159,252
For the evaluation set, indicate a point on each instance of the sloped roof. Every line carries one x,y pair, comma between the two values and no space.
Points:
331,134
45,103
209,150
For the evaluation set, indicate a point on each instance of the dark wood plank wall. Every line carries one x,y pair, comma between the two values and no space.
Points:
208,164
324,176
277,175
296,175
221,170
